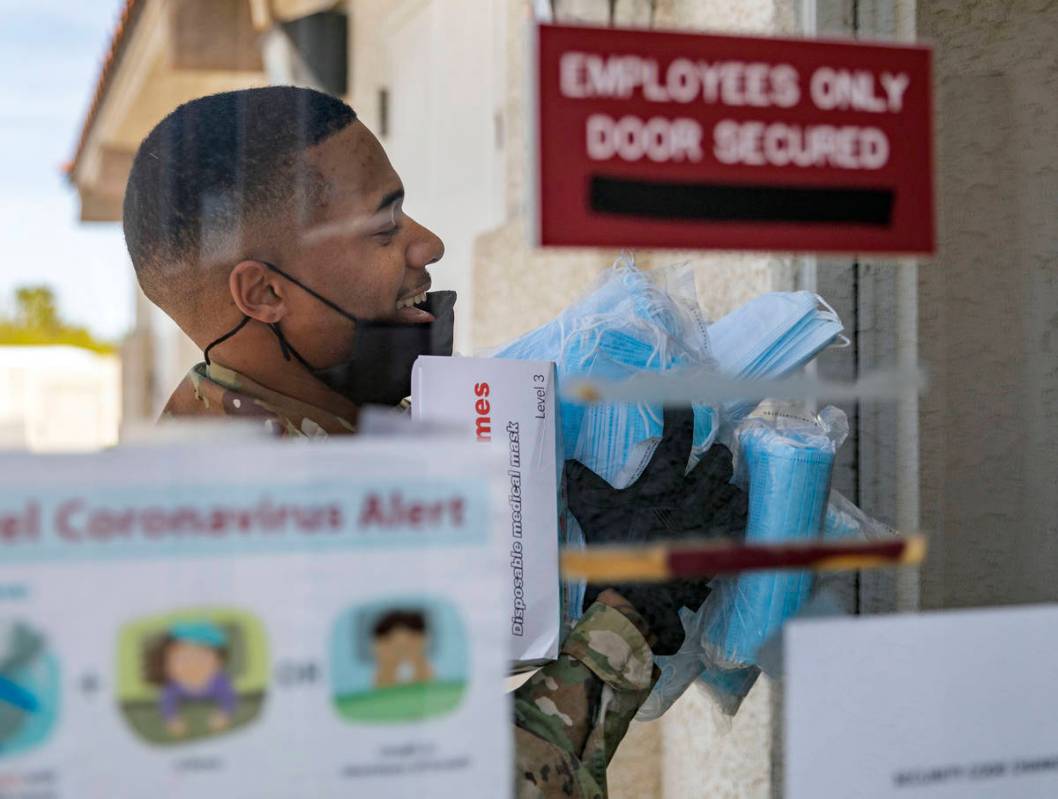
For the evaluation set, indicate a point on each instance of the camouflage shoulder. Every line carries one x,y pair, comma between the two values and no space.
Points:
612,647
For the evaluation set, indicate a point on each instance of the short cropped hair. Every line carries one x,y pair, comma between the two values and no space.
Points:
214,168
410,620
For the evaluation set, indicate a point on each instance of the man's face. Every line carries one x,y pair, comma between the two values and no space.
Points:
359,250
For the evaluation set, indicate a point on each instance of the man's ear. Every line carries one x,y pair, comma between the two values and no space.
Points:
257,292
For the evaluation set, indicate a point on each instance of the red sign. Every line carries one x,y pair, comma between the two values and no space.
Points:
673,140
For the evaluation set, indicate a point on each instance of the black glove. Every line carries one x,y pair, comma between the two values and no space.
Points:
662,504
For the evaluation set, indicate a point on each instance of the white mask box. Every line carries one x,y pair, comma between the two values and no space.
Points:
509,406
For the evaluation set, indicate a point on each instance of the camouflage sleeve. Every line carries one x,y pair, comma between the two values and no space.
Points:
571,715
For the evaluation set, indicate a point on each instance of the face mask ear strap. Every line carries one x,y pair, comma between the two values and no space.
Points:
225,337
287,349
303,287
827,305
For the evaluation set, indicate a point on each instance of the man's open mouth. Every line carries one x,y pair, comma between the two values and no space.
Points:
415,308
415,299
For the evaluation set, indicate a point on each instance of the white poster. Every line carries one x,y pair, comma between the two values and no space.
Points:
948,705
253,620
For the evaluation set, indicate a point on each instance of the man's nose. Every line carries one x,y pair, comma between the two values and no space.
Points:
426,248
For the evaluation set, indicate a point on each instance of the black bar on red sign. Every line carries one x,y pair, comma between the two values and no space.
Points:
717,202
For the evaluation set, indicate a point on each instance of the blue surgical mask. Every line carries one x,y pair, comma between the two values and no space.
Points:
772,336
814,333
744,337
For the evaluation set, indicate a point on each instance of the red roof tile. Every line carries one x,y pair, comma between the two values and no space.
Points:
130,12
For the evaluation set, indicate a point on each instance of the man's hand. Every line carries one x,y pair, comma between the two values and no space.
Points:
664,503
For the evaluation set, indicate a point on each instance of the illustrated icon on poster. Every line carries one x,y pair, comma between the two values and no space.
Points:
192,674
29,688
398,661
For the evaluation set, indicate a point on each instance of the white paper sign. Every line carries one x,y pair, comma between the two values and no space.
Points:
952,705
253,620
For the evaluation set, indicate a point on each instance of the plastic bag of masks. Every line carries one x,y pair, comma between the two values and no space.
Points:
784,458
630,321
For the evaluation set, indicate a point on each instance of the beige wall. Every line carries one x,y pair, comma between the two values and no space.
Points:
989,306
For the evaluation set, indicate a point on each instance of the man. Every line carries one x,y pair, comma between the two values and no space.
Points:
269,224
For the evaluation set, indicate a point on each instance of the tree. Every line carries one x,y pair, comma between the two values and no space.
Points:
37,322
35,308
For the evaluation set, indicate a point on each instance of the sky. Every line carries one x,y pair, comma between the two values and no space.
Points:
50,56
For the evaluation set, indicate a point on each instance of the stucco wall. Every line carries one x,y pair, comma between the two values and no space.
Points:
989,306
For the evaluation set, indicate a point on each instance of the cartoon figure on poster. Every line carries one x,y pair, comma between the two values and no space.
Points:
189,665
29,688
400,660
192,674
400,643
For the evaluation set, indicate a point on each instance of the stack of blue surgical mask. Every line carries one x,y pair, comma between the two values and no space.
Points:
771,336
786,458
631,322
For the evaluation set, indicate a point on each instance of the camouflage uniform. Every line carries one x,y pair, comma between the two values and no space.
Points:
571,714
215,390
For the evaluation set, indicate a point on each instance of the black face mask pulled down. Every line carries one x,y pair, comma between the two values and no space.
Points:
379,371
